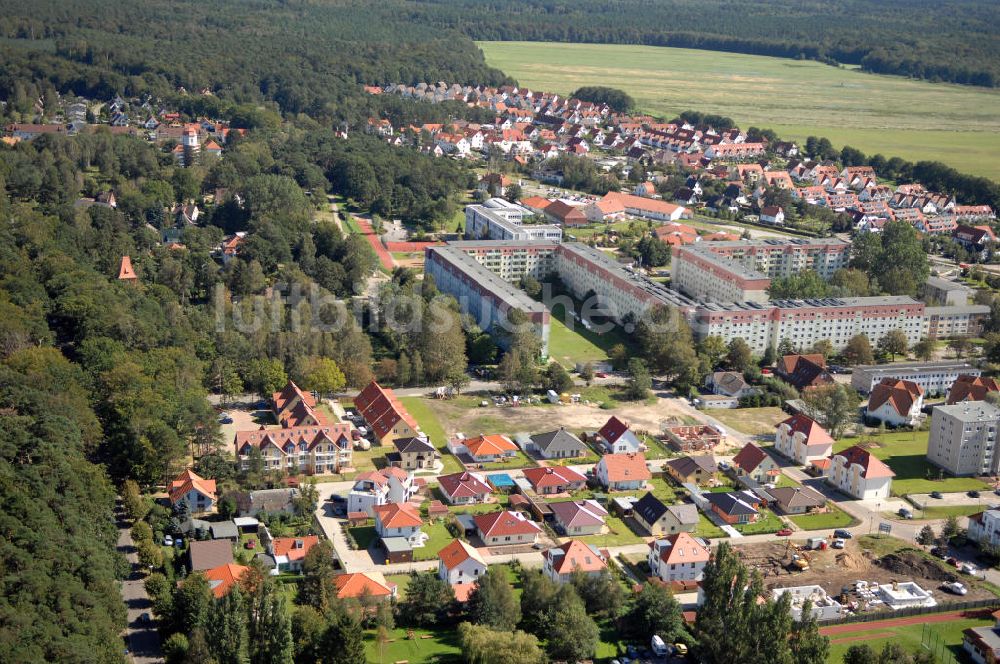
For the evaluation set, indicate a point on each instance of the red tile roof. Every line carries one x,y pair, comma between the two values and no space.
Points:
576,555
361,583
684,549
398,515
613,429
463,485
971,388
126,271
499,524
816,436
552,476
295,548
457,553
749,458
186,481
873,467
625,467
900,394
489,445
224,577
381,409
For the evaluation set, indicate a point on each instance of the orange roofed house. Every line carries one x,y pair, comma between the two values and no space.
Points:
573,556
483,449
802,439
126,272
191,492
679,557
294,407
756,464
310,449
460,563
222,578
384,413
623,472
857,472
895,402
399,520
971,388
360,584
506,529
289,552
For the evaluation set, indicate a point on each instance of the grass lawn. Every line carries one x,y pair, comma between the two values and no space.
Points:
442,648
706,528
440,537
896,116
619,534
947,637
570,342
430,425
753,421
519,460
906,453
835,518
768,523
785,480
364,536
401,581
945,511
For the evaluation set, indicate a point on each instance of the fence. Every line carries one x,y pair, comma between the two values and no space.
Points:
931,641
914,611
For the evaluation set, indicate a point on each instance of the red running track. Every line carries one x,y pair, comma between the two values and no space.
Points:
384,256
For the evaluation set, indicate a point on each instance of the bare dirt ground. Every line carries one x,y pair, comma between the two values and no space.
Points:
461,415
833,569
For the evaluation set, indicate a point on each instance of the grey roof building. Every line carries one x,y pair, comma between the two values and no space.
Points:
963,438
225,530
558,444
209,553
933,377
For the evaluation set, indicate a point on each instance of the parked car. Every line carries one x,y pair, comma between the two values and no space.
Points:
838,543
784,532
145,618
972,494
905,513
955,587
225,419
967,569
939,552
168,541
936,494
600,374
953,562
842,533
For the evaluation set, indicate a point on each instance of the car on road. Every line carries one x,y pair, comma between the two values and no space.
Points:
145,618
842,534
955,587
936,494
972,494
784,532
225,418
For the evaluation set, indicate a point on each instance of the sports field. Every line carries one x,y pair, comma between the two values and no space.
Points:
959,125
939,633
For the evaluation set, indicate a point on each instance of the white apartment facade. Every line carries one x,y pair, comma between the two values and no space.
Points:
963,438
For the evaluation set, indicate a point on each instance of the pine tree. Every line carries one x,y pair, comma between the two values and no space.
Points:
343,641
807,644
226,628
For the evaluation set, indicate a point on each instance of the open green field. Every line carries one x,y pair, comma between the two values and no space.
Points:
569,346
753,421
835,518
946,637
906,453
958,125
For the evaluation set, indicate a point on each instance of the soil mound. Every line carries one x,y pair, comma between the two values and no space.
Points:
910,564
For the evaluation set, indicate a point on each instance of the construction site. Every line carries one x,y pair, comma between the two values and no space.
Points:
851,575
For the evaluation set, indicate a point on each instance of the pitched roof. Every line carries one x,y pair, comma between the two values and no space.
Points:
489,445
641,203
731,503
750,457
576,555
295,548
558,439
457,552
625,467
309,434
788,497
126,272
361,583
816,436
873,467
613,429
804,371
579,513
552,476
413,444
288,394
381,409
685,513
901,395
398,515
650,508
207,554
971,388
504,523
183,483
224,577
686,465
683,548
729,382
463,485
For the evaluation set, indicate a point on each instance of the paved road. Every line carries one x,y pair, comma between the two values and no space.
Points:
143,639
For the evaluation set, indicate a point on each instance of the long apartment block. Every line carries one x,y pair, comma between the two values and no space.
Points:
497,219
741,271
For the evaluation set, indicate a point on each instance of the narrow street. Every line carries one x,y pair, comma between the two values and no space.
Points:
141,638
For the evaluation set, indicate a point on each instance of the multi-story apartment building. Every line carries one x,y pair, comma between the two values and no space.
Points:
803,322
742,271
933,377
497,219
963,438
962,320
309,450
857,472
482,288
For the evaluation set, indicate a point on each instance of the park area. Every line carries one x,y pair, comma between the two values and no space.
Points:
940,633
891,115
906,453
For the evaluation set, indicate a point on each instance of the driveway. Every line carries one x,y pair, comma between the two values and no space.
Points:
143,640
